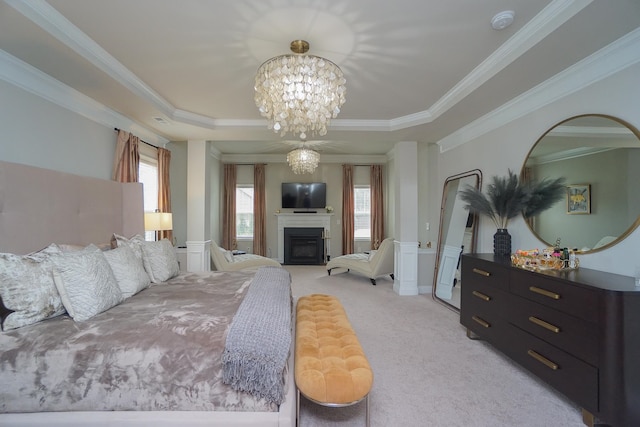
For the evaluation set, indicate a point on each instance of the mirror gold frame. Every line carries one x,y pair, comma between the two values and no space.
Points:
598,156
457,234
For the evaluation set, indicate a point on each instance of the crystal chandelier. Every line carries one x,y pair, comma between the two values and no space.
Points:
303,160
299,93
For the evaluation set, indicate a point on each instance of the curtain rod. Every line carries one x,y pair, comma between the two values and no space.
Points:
145,142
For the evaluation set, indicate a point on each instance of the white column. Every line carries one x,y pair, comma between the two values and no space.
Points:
406,218
199,255
198,193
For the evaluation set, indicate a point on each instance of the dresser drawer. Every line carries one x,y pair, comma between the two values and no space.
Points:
562,296
571,334
486,325
483,296
486,273
566,373
481,311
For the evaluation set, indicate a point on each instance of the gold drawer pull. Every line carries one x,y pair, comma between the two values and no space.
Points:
482,296
481,322
481,272
546,325
540,358
544,292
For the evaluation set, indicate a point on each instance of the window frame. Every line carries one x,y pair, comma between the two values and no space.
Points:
245,237
355,212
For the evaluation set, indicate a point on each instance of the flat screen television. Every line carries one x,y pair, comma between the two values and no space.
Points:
308,195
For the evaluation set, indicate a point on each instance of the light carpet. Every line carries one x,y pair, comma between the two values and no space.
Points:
426,371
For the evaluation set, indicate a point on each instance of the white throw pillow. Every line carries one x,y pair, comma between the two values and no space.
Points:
86,283
27,288
134,243
128,270
160,260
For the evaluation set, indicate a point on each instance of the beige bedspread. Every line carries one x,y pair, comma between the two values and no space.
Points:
159,350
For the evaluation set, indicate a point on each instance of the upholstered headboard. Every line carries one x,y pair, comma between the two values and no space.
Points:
40,206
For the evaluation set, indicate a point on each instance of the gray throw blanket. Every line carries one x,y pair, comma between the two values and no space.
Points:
259,338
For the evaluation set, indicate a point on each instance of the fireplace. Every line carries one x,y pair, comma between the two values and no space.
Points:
303,245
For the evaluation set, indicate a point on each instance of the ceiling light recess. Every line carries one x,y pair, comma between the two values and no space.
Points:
299,93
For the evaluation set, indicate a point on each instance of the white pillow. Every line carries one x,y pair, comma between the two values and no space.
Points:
160,260
86,283
128,270
135,243
27,288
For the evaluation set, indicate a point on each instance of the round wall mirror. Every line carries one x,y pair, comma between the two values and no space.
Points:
598,157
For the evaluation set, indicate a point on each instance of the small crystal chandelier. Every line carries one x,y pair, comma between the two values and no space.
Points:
299,93
303,160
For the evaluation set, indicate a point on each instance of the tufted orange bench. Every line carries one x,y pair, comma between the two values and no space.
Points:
330,366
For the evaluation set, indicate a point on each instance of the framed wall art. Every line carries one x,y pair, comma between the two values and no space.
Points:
579,199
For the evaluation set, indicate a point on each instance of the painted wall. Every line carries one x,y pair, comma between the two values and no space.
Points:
39,133
506,147
277,173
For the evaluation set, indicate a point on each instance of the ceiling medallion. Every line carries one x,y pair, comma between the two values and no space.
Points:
299,93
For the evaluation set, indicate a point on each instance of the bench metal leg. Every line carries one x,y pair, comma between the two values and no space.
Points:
368,411
297,407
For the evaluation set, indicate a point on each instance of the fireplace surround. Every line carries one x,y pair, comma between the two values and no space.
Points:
307,220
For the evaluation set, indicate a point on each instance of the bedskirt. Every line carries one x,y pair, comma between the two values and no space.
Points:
159,350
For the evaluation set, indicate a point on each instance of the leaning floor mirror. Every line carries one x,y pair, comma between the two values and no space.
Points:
457,235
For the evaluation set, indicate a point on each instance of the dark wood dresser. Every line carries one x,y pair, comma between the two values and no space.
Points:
577,330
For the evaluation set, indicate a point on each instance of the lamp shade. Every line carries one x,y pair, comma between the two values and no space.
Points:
157,221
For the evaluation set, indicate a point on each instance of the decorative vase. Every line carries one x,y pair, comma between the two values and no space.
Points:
502,242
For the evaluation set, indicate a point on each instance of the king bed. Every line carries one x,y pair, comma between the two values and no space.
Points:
164,351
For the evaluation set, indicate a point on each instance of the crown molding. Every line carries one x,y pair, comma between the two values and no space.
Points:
324,158
544,23
611,59
50,20
34,81
550,18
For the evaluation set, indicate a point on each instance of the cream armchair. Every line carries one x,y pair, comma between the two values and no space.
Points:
377,263
224,260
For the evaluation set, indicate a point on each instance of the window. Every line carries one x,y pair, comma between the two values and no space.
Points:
362,217
148,176
244,212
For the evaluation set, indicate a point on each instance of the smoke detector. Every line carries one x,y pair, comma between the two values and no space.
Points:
502,20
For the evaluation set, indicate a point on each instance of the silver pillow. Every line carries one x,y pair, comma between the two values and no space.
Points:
27,288
160,260
86,283
128,270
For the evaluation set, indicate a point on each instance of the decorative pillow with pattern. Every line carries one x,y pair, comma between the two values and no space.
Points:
160,260
86,283
134,242
27,288
128,270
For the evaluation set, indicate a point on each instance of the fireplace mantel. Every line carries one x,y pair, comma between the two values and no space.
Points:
302,220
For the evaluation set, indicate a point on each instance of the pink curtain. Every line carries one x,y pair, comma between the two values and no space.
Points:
259,211
164,189
377,206
348,210
126,159
229,208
